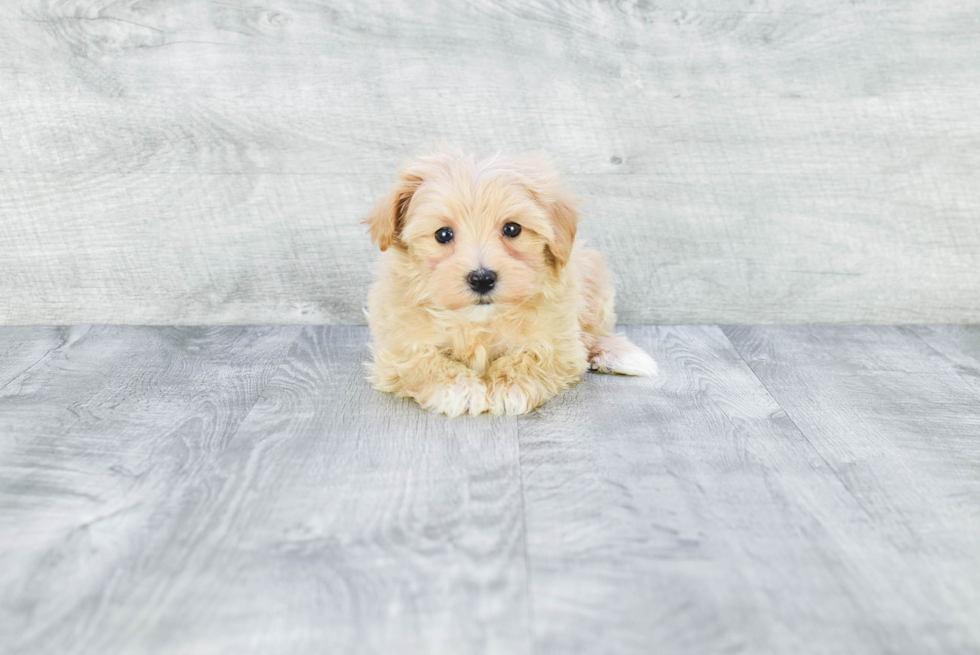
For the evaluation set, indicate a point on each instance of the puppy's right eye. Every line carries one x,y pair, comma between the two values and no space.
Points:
444,235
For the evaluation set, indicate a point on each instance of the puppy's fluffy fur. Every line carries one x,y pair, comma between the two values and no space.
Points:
548,317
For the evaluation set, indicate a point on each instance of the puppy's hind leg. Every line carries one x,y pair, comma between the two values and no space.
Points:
617,354
608,352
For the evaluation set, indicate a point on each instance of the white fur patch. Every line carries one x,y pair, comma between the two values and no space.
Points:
616,354
510,399
464,396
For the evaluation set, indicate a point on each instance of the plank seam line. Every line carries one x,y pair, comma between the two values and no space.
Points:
806,438
40,359
272,376
905,329
528,591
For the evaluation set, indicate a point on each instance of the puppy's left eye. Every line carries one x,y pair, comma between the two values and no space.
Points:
444,235
512,230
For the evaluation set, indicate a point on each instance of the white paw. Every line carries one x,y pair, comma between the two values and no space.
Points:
510,399
617,355
464,396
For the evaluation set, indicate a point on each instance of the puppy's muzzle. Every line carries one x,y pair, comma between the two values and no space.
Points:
482,281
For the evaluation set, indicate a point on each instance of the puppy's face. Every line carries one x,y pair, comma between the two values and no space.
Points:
479,232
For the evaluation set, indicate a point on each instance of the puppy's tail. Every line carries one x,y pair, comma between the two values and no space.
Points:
616,354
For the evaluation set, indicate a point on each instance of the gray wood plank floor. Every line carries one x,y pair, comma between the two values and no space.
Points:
202,490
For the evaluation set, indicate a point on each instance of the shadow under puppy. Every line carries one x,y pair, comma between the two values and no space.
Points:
483,301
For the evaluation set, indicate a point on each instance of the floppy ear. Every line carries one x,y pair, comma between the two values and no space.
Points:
564,219
385,220
547,190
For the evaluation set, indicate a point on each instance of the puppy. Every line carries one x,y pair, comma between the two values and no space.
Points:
483,302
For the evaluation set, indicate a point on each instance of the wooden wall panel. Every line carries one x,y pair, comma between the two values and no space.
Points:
205,162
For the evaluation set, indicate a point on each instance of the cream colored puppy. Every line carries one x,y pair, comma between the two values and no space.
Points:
483,301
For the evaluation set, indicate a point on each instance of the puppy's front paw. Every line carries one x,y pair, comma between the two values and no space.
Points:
463,395
511,398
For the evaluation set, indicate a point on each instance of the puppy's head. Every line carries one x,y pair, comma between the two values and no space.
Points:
478,231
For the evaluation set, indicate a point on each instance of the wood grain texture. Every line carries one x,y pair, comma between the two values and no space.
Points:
110,452
243,490
22,348
361,524
207,162
331,519
960,344
692,514
897,422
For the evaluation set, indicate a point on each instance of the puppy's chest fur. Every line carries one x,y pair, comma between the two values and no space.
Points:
479,344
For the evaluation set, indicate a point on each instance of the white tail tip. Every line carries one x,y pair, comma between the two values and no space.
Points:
616,354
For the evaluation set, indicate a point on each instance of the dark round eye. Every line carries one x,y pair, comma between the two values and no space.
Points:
512,230
444,235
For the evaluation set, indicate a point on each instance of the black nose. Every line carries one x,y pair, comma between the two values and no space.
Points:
482,280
